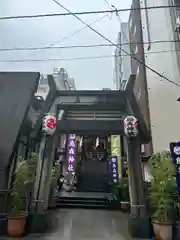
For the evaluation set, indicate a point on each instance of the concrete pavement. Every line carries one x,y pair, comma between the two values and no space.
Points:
80,224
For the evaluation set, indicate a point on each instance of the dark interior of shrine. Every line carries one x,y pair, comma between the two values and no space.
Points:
93,169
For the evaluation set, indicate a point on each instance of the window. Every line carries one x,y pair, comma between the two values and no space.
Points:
123,84
137,73
134,30
130,22
136,49
177,7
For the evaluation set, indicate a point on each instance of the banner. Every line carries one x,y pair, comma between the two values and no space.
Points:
116,151
175,153
113,168
71,152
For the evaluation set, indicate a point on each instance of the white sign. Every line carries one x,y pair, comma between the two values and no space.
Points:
177,150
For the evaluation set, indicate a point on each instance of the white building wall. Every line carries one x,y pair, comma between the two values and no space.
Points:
164,109
117,63
122,59
126,59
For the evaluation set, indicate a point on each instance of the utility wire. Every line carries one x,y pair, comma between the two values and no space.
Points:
57,59
126,39
65,38
77,58
82,46
105,38
84,13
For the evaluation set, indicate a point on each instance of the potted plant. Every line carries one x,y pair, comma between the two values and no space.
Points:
32,165
177,226
17,218
115,196
162,190
124,185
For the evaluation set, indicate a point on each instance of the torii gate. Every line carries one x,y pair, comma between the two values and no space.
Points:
101,112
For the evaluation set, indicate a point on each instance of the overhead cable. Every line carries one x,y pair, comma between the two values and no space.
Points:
84,13
66,37
76,58
82,46
108,40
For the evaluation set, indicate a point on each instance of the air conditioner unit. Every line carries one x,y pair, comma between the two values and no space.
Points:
177,29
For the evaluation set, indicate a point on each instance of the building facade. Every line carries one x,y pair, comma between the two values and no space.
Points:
138,68
63,82
122,59
160,53
154,37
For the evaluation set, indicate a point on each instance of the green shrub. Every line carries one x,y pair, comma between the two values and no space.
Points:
163,187
124,188
19,187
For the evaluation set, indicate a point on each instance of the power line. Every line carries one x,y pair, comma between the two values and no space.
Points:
65,38
57,59
56,47
76,58
83,13
82,46
125,37
105,38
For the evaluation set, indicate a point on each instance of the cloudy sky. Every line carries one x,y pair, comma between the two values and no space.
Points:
41,32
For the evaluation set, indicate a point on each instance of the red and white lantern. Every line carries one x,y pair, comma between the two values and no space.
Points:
131,126
49,125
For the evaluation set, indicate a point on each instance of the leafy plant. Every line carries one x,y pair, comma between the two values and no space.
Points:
32,165
124,186
18,188
163,187
55,170
116,191
178,208
24,174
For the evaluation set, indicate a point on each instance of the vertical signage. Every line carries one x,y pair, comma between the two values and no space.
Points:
113,165
71,152
175,153
116,151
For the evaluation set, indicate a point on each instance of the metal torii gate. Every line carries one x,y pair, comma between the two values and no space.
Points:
101,112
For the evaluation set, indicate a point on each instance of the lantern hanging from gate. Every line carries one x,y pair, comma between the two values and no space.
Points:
49,125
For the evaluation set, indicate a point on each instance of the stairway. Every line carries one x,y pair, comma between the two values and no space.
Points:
92,182
83,200
93,177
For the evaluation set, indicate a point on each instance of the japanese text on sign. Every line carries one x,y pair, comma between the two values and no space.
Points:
71,152
175,154
114,169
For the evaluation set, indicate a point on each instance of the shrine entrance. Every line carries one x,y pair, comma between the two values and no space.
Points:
92,115
93,175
